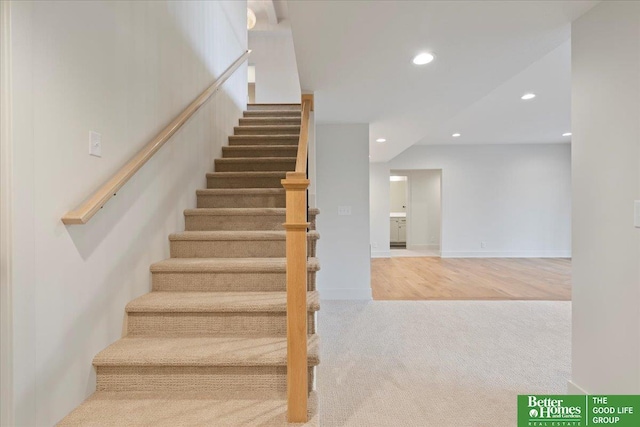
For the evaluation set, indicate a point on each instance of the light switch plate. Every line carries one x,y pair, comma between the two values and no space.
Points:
636,213
344,210
95,144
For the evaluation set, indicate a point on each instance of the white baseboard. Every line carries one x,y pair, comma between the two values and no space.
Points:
380,254
346,293
506,254
573,388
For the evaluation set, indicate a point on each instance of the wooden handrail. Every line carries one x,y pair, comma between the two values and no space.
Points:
296,184
83,213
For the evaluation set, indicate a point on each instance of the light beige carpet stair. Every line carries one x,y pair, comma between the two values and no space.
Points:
207,346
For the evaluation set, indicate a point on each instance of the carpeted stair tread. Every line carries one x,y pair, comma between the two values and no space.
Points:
235,235
269,128
249,174
248,121
216,302
262,107
259,151
166,409
255,164
272,113
239,191
265,139
256,159
201,351
242,211
228,265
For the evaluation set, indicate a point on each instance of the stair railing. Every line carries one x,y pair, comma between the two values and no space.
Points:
83,213
296,225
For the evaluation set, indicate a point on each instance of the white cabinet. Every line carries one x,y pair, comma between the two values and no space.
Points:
402,231
398,230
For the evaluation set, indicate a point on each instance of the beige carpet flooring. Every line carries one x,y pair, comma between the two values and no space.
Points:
439,363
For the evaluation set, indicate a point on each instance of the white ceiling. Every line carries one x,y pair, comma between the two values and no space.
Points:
356,57
271,15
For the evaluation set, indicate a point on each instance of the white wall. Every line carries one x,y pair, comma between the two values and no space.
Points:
6,368
380,196
277,80
516,198
342,160
606,181
124,69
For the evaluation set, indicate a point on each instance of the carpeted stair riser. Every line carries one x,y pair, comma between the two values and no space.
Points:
210,324
273,113
241,198
234,248
261,121
274,107
266,130
206,281
230,379
245,180
201,220
263,140
245,151
255,164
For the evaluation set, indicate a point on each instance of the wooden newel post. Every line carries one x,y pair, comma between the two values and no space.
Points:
296,226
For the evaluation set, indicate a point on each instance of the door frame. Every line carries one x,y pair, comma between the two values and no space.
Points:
410,214
6,312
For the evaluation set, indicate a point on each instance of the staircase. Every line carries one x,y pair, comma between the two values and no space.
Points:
208,345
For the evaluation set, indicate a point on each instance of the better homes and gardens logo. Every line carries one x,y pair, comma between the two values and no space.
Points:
551,411
578,411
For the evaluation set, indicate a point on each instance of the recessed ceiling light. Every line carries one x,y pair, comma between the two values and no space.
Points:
423,58
381,140
528,96
566,134
455,135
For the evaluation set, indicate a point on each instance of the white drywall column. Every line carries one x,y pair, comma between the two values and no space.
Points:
380,207
342,161
606,181
277,80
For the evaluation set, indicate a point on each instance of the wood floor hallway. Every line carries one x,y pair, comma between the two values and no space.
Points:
431,278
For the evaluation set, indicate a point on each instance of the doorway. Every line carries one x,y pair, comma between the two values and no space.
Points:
415,212
398,191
